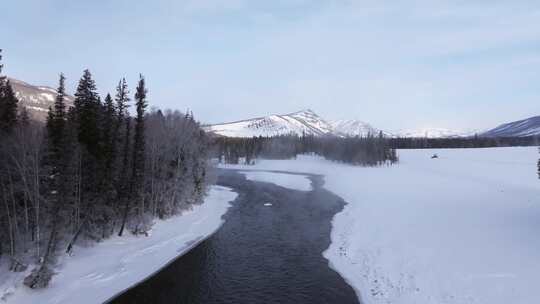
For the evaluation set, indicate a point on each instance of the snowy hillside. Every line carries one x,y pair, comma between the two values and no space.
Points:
301,122
37,99
520,128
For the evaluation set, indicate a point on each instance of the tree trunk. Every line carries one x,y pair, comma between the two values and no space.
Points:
10,227
124,217
75,237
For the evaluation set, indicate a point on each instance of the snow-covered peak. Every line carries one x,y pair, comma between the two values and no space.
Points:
353,127
302,122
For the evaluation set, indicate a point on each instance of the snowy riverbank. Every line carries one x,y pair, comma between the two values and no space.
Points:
459,229
93,275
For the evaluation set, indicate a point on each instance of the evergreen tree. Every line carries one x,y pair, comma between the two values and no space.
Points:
57,161
8,108
87,106
137,173
89,115
122,99
57,117
109,140
122,136
138,139
2,78
24,117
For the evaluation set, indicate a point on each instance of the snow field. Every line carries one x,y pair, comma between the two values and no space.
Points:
463,228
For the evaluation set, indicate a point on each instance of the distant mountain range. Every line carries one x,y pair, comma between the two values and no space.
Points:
308,122
38,99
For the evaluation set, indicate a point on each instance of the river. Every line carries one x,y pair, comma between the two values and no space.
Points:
262,254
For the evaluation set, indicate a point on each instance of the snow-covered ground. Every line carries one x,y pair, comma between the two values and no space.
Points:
291,181
464,228
93,275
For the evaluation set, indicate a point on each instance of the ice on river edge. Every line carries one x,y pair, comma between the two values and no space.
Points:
93,275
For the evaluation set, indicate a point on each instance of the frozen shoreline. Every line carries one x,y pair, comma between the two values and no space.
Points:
459,229
97,273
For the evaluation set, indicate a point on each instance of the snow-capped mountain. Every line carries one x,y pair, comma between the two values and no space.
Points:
307,122
353,127
302,122
36,99
520,128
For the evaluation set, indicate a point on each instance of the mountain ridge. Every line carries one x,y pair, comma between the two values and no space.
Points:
36,99
519,128
300,122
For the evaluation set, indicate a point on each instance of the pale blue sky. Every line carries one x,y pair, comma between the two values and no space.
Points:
395,64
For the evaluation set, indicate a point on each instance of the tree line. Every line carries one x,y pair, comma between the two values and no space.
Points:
462,142
370,150
91,171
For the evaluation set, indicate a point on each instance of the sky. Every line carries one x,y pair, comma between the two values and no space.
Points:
395,64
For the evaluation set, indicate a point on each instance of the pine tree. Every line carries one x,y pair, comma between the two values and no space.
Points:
137,173
24,117
2,77
109,140
138,140
125,181
57,117
89,115
87,106
8,103
121,136
57,187
8,108
122,99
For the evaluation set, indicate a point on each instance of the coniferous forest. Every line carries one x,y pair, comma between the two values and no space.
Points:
363,151
370,150
91,171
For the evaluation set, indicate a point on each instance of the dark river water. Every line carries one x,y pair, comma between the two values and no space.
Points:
261,254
